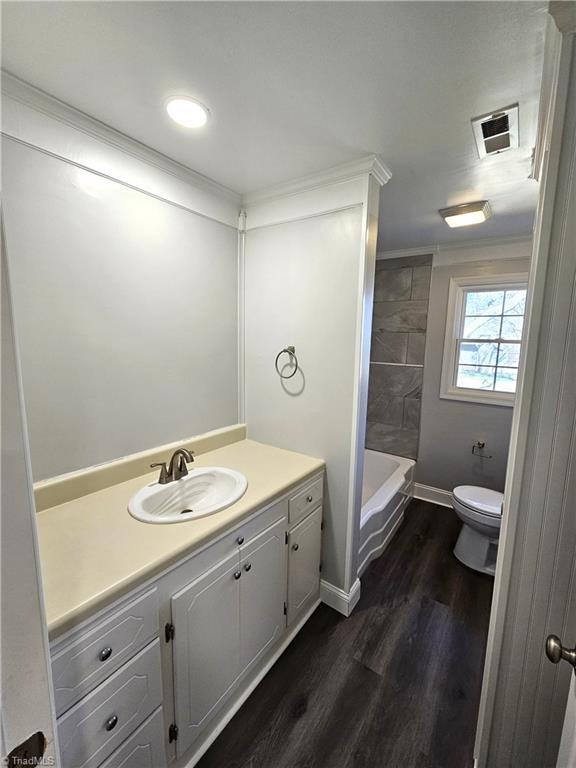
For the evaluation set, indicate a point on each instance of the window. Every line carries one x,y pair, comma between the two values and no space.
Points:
483,339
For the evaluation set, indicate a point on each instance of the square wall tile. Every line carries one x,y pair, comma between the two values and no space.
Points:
404,261
400,316
421,282
393,285
396,380
388,439
385,409
416,348
412,408
389,347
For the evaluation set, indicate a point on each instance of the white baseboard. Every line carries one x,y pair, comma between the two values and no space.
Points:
336,598
434,495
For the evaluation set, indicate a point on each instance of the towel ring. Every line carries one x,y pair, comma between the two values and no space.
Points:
289,351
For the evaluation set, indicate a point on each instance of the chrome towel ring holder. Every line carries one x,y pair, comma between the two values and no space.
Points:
291,351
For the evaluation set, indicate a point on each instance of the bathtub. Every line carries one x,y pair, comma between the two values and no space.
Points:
386,491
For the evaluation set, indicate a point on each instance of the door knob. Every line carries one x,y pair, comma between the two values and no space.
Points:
556,651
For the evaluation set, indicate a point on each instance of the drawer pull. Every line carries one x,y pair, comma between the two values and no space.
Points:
295,547
309,499
105,653
111,723
247,566
237,575
240,540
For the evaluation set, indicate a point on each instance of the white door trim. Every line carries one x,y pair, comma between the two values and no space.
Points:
523,696
27,700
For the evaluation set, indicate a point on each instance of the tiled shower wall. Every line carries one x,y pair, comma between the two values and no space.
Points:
397,354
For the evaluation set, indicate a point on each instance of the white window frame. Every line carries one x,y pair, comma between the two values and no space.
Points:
456,293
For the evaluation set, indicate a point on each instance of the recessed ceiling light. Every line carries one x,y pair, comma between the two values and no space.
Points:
187,112
467,214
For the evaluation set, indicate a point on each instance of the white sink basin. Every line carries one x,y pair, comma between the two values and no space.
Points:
202,492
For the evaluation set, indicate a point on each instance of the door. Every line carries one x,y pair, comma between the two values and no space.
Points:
262,593
524,696
567,751
206,618
26,704
304,563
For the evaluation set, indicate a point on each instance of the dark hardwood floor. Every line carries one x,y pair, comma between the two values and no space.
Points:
395,685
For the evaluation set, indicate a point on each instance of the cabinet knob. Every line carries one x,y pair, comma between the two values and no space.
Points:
105,653
247,566
240,540
237,575
295,547
309,499
111,723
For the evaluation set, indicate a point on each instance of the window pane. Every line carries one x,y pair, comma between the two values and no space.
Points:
512,327
482,328
478,354
515,302
509,355
484,302
475,377
506,379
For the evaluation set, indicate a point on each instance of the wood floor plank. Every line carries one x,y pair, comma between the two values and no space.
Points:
396,685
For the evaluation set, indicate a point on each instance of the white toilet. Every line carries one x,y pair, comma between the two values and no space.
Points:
480,510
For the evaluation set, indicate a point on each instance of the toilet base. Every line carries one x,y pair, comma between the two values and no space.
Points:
476,550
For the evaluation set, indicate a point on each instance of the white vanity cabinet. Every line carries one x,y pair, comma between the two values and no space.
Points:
304,542
156,675
224,622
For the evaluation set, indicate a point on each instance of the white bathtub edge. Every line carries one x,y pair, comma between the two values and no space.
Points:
393,524
434,495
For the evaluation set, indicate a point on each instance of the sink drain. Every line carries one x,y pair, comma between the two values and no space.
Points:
184,511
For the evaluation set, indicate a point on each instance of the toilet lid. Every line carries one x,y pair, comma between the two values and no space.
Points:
481,499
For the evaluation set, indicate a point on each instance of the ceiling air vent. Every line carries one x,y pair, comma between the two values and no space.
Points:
496,132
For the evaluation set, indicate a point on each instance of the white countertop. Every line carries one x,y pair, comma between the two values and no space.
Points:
92,551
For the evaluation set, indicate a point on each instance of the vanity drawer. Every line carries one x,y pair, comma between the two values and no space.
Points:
97,725
252,528
144,749
88,659
305,501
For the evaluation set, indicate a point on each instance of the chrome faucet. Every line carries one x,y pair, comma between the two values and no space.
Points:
177,468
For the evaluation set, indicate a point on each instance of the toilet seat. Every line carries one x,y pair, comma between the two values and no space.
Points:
482,501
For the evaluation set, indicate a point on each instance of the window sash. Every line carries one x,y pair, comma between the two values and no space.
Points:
454,339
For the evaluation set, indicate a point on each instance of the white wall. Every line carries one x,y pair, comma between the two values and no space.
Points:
26,702
304,286
448,428
125,298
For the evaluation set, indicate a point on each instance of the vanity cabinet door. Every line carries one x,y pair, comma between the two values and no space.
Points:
262,593
304,563
206,618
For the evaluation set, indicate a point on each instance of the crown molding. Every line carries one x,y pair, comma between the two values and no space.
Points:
564,15
465,245
30,96
425,250
371,164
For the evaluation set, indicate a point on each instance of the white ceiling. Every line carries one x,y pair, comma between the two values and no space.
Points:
295,88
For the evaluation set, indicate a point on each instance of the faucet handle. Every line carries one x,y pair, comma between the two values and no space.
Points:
164,478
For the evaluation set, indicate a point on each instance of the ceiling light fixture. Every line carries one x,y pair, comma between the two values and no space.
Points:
187,112
466,214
